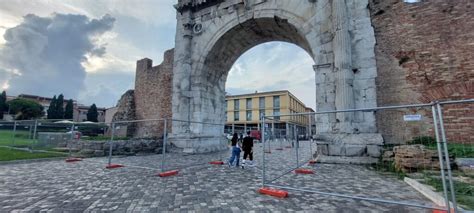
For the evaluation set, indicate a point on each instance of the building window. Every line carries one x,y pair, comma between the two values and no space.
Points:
276,114
226,105
249,115
276,101
261,102
261,113
236,104
249,103
236,116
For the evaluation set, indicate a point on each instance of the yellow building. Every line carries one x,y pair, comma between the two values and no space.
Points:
244,112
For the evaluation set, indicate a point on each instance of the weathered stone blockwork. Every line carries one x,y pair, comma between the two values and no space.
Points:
119,147
212,34
125,112
410,158
153,93
424,53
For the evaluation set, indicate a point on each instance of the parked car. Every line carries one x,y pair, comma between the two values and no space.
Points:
256,134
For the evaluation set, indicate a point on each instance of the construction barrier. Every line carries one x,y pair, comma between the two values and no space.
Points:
421,126
292,153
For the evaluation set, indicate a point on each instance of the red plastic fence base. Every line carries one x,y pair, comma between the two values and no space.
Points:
304,171
168,173
312,162
114,166
273,192
71,160
217,162
442,211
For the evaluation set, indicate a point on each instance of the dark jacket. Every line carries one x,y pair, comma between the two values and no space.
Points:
234,141
248,143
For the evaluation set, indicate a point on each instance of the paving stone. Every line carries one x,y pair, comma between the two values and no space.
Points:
87,186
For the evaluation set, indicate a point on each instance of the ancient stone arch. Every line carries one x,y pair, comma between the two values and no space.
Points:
212,34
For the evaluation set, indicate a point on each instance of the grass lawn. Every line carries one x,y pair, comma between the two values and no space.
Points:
21,138
464,191
458,150
7,154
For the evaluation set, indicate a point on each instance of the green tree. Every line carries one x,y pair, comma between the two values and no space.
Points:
60,107
69,110
52,112
92,114
25,109
3,104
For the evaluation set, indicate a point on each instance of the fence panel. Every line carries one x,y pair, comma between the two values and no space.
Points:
149,144
456,134
380,169
135,143
7,133
25,139
196,153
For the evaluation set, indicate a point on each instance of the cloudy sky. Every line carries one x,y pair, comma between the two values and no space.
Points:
87,49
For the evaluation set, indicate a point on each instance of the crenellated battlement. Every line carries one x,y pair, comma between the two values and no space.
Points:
153,93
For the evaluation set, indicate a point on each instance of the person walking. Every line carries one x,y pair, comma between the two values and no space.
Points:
247,147
235,151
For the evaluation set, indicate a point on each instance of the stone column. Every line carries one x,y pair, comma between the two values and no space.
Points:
325,97
343,65
182,97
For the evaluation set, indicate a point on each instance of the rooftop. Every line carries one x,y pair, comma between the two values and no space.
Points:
266,93
258,93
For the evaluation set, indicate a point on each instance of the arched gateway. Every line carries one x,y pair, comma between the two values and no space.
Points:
212,34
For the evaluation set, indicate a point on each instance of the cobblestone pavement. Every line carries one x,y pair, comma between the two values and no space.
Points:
87,186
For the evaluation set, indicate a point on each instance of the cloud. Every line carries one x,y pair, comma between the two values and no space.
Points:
156,12
142,28
104,88
48,52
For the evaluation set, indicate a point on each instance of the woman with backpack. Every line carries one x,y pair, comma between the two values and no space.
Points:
235,151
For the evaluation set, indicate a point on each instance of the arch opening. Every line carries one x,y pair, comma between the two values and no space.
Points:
212,76
247,35
265,73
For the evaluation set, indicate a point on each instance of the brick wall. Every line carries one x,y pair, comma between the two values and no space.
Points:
153,93
424,52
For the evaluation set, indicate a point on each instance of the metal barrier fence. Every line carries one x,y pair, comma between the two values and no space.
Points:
456,134
40,138
424,127
151,139
149,144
